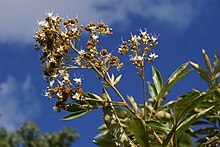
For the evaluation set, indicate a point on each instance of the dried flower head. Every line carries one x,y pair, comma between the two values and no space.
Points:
60,53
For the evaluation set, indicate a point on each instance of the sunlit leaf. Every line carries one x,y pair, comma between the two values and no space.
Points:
207,61
179,73
216,63
168,105
73,108
158,81
183,106
104,143
188,121
152,90
201,72
117,79
114,125
95,96
133,104
75,114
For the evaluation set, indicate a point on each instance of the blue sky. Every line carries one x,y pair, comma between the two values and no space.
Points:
185,27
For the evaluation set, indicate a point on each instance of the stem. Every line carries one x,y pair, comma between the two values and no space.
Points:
157,137
144,91
151,113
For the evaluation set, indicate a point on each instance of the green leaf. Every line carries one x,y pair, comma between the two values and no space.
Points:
169,136
133,104
105,96
201,72
106,85
138,129
168,105
158,81
73,108
104,143
122,112
179,73
114,125
185,105
117,79
152,90
157,126
207,61
75,114
190,120
216,64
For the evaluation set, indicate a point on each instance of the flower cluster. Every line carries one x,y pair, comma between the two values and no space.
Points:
60,53
138,47
102,61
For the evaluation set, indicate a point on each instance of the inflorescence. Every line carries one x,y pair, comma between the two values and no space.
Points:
59,42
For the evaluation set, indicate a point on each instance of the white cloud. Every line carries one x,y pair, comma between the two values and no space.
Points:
17,102
18,18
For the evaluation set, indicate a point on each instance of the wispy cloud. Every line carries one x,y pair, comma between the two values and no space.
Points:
18,18
17,102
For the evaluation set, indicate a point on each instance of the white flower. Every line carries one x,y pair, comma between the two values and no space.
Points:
153,55
135,38
76,96
78,81
47,93
81,52
137,58
42,24
154,37
143,33
49,14
51,83
95,37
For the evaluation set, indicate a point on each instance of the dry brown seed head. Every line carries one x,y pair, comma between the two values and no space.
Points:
79,91
48,33
70,34
65,48
104,52
91,42
92,23
146,49
46,73
89,47
66,23
101,25
113,60
87,55
56,89
57,56
87,28
72,21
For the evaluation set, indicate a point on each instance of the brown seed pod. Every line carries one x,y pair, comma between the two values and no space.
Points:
104,52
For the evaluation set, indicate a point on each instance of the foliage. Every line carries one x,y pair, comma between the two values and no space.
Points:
127,123
28,135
